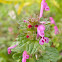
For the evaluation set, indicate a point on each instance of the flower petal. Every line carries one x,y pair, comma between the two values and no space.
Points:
56,30
52,21
41,27
40,30
41,10
9,51
47,8
23,60
27,56
46,39
12,47
41,42
41,33
24,53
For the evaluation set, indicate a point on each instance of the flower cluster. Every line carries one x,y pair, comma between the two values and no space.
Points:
40,32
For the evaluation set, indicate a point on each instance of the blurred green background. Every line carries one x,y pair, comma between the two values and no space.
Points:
11,11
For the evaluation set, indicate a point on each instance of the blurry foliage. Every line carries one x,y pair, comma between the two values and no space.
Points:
6,37
26,8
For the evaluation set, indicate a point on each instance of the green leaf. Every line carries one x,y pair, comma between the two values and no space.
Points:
15,43
20,60
35,48
31,45
41,59
17,56
30,60
21,47
32,48
51,54
27,47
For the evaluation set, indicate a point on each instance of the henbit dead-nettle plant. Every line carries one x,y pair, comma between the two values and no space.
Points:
34,40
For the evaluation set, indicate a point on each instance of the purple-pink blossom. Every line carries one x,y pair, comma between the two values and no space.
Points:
44,0
56,30
24,20
25,56
46,39
55,27
40,30
23,60
43,40
47,8
9,49
52,21
43,6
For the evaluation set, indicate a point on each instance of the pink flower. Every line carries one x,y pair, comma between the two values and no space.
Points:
43,39
25,56
43,6
56,30
47,8
9,49
10,29
27,36
23,60
29,26
24,20
52,21
46,39
41,42
41,27
44,0
40,30
55,27
41,10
